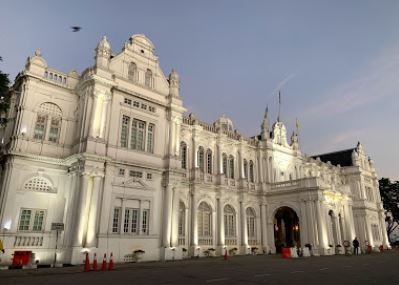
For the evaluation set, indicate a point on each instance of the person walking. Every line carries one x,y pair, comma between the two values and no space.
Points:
355,246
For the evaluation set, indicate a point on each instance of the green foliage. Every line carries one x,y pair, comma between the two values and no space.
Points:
390,198
4,94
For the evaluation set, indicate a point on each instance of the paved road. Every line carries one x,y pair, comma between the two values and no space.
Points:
365,269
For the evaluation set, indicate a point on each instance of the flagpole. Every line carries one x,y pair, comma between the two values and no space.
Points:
279,105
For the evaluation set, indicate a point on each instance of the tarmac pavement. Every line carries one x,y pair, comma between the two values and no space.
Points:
376,268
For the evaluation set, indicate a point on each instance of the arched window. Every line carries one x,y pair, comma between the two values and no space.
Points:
224,158
183,155
132,72
229,222
251,225
251,171
39,184
245,165
201,163
148,78
231,167
209,161
48,122
204,220
182,220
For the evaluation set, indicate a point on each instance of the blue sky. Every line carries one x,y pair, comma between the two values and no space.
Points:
336,62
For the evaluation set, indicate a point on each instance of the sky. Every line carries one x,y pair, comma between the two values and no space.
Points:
335,62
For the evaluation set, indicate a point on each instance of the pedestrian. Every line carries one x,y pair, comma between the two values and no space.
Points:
355,246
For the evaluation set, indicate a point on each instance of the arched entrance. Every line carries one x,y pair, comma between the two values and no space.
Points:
286,228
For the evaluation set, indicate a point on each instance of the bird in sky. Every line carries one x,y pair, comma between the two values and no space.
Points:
76,29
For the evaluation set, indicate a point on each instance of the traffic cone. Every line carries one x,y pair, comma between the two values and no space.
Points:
111,262
225,255
95,262
104,265
87,263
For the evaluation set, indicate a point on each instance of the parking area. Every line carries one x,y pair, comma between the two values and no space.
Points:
376,268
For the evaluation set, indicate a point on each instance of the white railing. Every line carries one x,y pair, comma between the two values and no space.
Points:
230,241
253,242
205,240
28,241
55,76
181,240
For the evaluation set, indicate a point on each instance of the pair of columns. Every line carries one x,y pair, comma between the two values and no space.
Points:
85,234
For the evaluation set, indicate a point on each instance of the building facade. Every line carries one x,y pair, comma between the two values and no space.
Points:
111,155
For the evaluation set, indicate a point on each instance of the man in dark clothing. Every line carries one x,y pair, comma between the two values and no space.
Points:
355,246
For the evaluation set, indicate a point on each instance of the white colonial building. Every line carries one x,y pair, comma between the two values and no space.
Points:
111,155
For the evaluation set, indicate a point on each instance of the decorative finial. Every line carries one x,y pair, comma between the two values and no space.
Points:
38,52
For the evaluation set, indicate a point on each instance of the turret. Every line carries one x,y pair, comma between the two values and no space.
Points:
103,53
265,134
174,84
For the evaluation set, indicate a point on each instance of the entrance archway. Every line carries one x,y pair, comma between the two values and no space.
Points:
286,228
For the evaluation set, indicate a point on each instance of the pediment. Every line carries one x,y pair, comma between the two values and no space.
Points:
133,183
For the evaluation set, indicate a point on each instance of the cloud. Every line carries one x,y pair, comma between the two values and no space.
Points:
280,85
378,80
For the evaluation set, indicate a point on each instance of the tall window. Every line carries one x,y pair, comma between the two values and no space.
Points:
201,158
183,155
229,222
251,223
231,167
245,168
209,161
204,220
224,159
55,128
40,127
132,71
125,130
145,221
150,138
138,135
141,136
251,171
31,220
148,78
116,220
48,122
182,219
130,224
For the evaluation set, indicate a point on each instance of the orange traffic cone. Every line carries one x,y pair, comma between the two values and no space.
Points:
87,263
225,255
95,262
111,262
104,265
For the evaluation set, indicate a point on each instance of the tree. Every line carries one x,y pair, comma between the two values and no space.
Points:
4,95
390,199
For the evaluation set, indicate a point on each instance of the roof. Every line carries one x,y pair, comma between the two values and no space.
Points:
342,157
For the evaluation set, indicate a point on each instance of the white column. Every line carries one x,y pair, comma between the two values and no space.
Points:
244,232
322,233
95,117
167,218
91,238
177,139
383,230
175,219
79,225
172,137
123,209
310,223
220,240
303,225
194,220
104,115
264,223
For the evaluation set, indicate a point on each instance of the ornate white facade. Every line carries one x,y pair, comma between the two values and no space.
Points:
111,155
